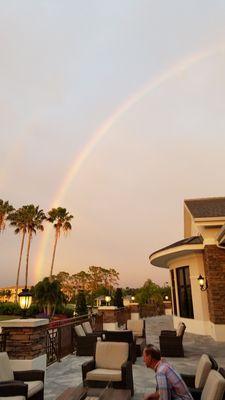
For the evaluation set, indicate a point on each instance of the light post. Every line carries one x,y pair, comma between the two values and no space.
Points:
132,298
25,300
107,299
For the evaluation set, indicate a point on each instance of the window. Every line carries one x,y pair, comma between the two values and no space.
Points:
184,292
173,292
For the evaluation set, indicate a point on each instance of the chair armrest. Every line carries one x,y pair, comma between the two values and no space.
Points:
168,333
31,375
127,376
86,367
196,393
189,380
13,388
170,339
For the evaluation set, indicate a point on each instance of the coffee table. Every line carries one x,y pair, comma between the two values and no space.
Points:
75,393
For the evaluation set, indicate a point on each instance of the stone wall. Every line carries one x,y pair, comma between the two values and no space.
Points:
214,260
25,343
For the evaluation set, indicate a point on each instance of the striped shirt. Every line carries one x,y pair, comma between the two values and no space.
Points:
170,384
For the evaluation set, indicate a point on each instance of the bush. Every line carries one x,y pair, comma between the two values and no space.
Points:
10,308
81,305
118,299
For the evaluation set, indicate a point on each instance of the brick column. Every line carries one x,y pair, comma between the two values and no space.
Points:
214,260
26,342
134,310
109,313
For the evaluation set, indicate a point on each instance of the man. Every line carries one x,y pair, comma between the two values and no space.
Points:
169,384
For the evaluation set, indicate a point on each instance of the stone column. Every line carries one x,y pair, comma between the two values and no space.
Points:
134,311
26,342
110,322
167,307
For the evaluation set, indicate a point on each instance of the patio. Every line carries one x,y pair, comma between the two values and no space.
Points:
67,373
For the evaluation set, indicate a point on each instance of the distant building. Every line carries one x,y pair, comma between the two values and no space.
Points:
201,252
8,293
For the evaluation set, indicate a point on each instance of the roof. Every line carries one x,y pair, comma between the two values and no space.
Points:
208,207
190,240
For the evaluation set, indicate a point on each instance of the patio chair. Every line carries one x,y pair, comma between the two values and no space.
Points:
122,336
171,342
215,386
110,363
22,384
197,382
85,344
137,326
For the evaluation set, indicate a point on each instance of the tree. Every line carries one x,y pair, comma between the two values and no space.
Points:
149,292
118,298
48,295
5,210
81,306
34,218
60,219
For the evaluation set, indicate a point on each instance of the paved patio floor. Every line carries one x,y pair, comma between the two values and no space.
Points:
67,373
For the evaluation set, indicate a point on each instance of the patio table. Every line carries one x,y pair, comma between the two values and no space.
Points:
77,393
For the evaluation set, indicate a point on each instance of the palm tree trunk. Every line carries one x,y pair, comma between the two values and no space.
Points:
27,258
53,256
19,266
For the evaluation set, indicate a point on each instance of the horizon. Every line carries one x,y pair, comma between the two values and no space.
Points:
115,112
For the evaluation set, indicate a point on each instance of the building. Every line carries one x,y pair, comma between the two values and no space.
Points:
8,293
200,254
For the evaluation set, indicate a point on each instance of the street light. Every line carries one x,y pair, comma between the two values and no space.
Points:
25,300
107,299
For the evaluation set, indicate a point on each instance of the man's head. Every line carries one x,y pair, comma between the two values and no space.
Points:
151,356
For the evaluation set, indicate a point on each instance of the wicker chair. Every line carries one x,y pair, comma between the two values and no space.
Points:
137,326
122,336
171,342
84,343
21,384
214,388
115,367
197,382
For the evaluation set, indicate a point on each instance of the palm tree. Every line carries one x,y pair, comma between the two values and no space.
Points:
49,295
27,220
60,218
18,219
35,218
5,210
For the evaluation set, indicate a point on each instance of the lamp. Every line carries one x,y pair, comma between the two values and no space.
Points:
202,283
166,298
107,299
132,298
25,300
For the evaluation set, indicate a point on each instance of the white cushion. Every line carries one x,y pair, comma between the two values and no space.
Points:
180,329
6,372
214,387
111,355
136,326
101,374
34,387
87,327
203,369
79,330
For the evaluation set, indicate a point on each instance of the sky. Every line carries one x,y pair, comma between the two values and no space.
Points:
114,110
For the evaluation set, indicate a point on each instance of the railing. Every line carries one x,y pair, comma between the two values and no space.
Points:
60,336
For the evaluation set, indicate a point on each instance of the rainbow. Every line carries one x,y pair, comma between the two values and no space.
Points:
156,82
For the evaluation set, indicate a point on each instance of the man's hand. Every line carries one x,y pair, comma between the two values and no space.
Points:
151,396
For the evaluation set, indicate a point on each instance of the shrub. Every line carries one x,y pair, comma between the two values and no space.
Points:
9,308
118,299
81,305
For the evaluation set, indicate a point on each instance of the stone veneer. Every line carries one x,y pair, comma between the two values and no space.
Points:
214,260
26,339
